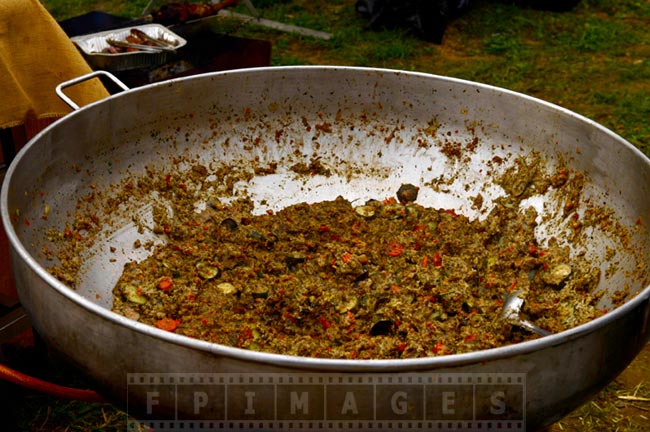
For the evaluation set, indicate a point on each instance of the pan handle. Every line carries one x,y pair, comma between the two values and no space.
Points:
65,84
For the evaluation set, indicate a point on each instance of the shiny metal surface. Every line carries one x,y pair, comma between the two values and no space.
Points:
511,310
376,118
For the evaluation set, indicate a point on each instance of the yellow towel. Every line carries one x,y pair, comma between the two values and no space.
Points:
35,56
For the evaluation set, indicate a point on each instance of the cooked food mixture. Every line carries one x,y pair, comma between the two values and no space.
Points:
135,41
383,279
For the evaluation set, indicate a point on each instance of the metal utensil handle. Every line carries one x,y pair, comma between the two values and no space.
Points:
532,327
65,84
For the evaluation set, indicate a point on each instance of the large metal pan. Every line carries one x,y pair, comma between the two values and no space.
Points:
374,121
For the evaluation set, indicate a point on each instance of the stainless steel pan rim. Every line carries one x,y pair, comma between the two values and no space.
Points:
305,362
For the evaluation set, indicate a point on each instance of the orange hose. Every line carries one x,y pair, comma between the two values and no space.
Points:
41,386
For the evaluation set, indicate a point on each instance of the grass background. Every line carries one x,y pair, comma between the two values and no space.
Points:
594,60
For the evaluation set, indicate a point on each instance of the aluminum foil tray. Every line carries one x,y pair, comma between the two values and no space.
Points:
93,45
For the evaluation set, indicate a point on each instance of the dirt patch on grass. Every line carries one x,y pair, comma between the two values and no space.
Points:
624,405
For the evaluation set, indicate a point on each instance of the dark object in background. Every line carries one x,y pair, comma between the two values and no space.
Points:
92,22
428,19
550,5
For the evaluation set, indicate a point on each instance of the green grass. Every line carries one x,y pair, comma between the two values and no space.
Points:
63,9
42,413
616,408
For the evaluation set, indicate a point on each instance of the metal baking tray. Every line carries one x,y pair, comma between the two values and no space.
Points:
93,45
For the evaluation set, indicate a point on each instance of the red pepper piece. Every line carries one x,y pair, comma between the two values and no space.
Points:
438,348
165,283
470,338
395,249
168,324
323,321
